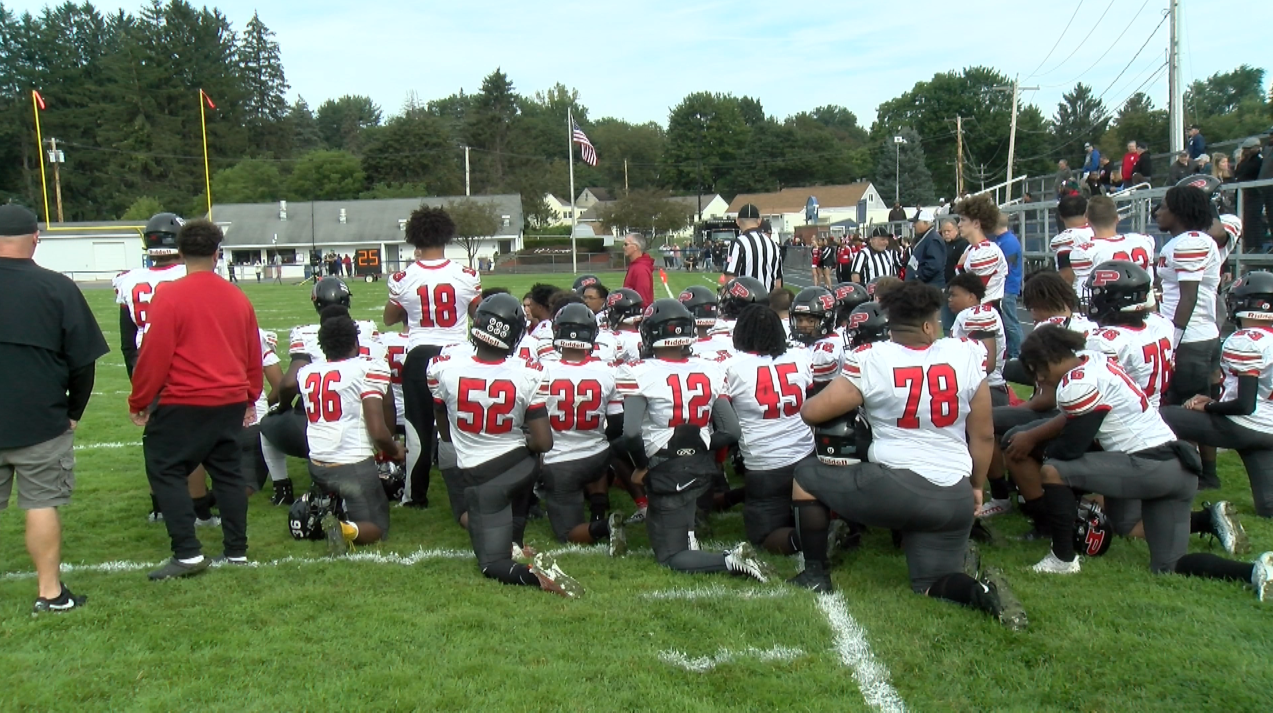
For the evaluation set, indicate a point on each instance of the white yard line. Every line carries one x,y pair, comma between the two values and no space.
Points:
717,591
855,653
703,664
116,444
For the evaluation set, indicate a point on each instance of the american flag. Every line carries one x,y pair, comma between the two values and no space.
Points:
586,150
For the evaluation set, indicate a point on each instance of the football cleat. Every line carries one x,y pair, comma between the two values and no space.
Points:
997,599
743,560
637,517
337,543
213,521
1262,576
994,507
1225,526
552,579
175,568
618,545
1053,565
815,578
63,602
154,516
282,493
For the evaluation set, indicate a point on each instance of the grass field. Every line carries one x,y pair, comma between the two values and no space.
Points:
412,625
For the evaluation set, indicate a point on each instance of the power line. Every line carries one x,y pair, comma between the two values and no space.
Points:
1086,37
1108,49
1133,59
1058,40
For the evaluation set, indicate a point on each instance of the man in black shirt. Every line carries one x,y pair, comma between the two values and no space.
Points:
49,342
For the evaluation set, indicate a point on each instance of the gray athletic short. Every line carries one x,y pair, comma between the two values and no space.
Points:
359,488
935,520
1254,447
45,473
768,504
1164,488
564,496
1007,418
670,518
286,430
489,491
999,396
1196,364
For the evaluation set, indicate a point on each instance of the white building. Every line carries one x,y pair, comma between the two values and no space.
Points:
785,209
88,252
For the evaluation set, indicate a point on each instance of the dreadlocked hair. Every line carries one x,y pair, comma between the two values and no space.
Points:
911,304
338,337
1190,206
429,228
1049,344
759,331
1048,291
332,312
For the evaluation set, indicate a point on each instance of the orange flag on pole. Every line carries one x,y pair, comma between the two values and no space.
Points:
39,99
208,99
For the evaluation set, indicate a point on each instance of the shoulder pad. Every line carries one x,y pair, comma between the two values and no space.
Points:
397,276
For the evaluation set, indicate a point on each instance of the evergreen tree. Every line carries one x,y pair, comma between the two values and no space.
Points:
303,127
906,160
489,128
264,87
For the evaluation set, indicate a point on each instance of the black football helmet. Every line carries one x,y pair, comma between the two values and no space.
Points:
575,327
330,291
1092,532
584,281
305,517
848,295
499,322
623,305
161,234
701,302
816,302
1211,186
666,323
392,478
740,292
1118,286
1252,296
866,325
836,440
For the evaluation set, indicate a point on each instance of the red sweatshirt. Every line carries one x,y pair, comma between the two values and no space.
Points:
640,277
202,347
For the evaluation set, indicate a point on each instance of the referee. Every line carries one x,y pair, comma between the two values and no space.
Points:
753,254
878,260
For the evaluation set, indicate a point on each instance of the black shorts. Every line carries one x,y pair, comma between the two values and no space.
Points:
768,504
674,487
1196,364
359,488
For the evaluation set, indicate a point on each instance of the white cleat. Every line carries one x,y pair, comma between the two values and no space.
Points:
744,561
213,521
553,580
1262,577
1053,565
637,517
994,507
1224,521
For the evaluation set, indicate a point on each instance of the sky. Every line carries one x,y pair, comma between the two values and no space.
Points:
637,60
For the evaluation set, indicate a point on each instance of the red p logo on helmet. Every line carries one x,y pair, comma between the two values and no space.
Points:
1101,278
738,290
613,299
686,296
857,319
827,301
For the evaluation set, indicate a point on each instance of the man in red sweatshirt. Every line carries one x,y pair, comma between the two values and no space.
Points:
640,275
197,380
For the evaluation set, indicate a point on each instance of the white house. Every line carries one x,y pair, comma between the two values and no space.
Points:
560,209
785,209
88,252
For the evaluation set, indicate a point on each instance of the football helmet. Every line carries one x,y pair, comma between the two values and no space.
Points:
330,291
305,517
836,440
816,302
701,302
584,281
1252,296
848,295
866,325
666,323
575,327
498,322
1211,186
1092,532
392,478
623,306
1118,286
161,234
740,292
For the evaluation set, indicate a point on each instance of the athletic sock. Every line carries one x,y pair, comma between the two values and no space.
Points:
1205,564
599,530
598,503
812,520
203,507
642,503
1035,510
275,460
957,587
1200,522
191,560
999,489
1060,508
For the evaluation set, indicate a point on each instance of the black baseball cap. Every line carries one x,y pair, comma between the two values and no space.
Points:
749,211
16,220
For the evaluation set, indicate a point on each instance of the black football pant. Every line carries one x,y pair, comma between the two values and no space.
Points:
285,430
674,487
418,407
496,494
177,440
1254,447
768,504
564,484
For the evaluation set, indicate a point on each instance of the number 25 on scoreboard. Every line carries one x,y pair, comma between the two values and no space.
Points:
367,262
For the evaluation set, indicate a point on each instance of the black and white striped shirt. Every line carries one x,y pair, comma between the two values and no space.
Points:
753,254
868,264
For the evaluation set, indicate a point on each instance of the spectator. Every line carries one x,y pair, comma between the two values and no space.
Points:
815,262
256,266
1106,179
1221,168
897,214
928,258
349,266
1092,163
1064,175
1266,192
706,256
666,251
955,247
1128,166
1142,170
49,342
676,255
826,261
1203,164
1179,168
640,275
844,260
1010,245
278,268
197,380
1197,146
1249,166
230,265
1027,198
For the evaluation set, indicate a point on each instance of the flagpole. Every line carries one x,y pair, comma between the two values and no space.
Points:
574,220
39,155
207,178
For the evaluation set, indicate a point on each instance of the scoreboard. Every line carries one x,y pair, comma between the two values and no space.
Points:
367,262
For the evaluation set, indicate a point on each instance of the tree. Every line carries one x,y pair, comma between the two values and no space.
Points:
248,181
326,176
414,148
1138,120
395,190
264,85
1080,117
474,221
707,139
908,160
641,145
342,121
489,127
303,127
1223,92
143,208
647,210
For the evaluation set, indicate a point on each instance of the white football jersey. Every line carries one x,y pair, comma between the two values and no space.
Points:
333,394
984,319
986,260
723,326
396,346
1131,423
1145,353
1132,247
917,401
627,346
136,288
304,341
677,393
487,403
716,347
1233,226
1191,257
577,395
1249,352
824,357
269,357
767,394
458,350
1063,241
1076,323
435,295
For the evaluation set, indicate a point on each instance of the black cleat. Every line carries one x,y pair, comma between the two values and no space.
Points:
63,602
980,533
996,599
282,493
815,578
174,568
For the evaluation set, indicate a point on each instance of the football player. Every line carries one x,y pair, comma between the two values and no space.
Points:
812,327
1140,458
701,302
537,304
624,309
1051,300
983,258
490,407
848,295
1108,244
343,398
929,409
577,388
980,322
734,297
255,470
780,300
1072,212
676,415
594,295
431,296
766,383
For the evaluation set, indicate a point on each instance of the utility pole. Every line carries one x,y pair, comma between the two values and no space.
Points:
56,158
959,155
1016,90
467,188
897,168
625,177
1175,96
